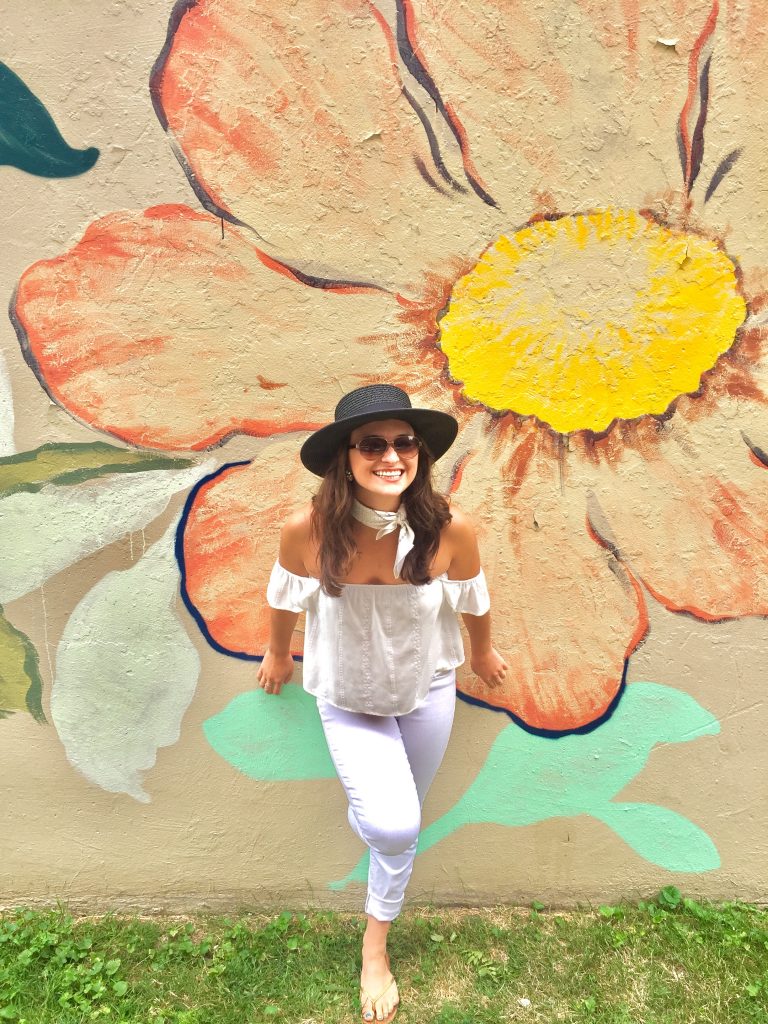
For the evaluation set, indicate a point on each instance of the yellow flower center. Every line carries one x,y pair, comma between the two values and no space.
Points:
589,318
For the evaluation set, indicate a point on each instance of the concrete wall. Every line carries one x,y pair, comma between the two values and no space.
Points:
549,220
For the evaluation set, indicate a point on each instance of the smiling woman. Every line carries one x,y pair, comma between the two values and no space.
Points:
381,565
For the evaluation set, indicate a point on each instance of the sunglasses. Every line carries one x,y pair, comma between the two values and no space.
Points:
373,446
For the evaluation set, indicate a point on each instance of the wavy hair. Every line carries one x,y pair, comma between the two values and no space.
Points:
332,522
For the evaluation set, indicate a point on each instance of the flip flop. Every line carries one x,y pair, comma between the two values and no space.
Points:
370,1015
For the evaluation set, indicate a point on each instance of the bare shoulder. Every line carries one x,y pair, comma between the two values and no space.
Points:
297,525
461,543
460,528
294,541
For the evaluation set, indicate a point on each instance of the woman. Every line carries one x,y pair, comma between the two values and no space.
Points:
381,564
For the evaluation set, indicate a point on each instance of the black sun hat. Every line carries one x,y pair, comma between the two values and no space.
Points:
376,402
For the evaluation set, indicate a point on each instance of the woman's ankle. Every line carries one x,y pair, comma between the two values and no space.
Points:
375,939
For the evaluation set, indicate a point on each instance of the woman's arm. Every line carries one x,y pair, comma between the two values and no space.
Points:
485,661
277,664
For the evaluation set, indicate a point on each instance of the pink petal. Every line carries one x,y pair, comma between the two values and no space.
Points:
158,330
566,613
566,112
297,125
688,513
230,540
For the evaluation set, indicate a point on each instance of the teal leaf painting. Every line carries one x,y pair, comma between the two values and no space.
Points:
29,138
272,738
527,779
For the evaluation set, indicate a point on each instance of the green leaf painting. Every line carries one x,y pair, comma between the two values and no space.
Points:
273,739
61,503
20,684
66,464
527,779
29,138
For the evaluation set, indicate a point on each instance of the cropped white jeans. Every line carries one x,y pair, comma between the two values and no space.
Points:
386,765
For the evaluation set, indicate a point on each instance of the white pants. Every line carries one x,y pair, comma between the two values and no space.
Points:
386,765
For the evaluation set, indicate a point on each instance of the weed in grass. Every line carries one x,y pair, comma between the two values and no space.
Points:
482,964
87,984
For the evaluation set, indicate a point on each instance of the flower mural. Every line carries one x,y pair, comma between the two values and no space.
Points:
539,258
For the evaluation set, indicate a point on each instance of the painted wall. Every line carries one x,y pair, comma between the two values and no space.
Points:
550,222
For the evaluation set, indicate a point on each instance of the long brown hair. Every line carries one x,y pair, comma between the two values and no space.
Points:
332,522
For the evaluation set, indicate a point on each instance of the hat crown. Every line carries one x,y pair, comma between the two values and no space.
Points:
376,402
372,398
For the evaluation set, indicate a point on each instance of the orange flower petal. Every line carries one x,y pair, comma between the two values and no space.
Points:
297,125
689,515
566,614
230,536
576,111
160,331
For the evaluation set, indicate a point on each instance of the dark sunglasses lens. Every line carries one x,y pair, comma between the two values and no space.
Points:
405,445
372,446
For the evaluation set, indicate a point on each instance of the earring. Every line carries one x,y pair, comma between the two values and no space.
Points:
348,474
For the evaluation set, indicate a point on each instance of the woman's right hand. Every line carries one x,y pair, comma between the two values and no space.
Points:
275,670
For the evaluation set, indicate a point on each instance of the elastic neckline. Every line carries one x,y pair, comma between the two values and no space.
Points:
442,578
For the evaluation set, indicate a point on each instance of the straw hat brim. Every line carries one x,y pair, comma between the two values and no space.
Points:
438,430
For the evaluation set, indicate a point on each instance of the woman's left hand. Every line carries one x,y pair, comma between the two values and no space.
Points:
490,666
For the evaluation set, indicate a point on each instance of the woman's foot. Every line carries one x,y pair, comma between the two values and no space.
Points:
378,990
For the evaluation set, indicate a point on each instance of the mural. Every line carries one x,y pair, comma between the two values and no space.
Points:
542,227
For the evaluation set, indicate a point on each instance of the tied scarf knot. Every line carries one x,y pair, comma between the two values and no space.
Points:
384,523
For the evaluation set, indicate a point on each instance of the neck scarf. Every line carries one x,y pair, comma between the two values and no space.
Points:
384,523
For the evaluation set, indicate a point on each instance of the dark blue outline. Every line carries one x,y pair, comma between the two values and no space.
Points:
721,170
697,139
553,734
179,553
422,169
759,454
434,146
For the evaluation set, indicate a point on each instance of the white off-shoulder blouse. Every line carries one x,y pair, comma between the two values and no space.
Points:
377,647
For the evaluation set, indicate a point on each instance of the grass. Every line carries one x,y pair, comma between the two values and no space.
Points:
667,961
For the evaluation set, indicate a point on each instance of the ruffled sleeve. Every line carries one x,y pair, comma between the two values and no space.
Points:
289,592
470,596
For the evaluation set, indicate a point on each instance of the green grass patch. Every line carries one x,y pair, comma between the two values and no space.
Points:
667,961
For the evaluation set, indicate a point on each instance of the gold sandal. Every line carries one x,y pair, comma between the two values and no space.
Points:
370,1015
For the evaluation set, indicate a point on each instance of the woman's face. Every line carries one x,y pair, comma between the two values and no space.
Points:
380,482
